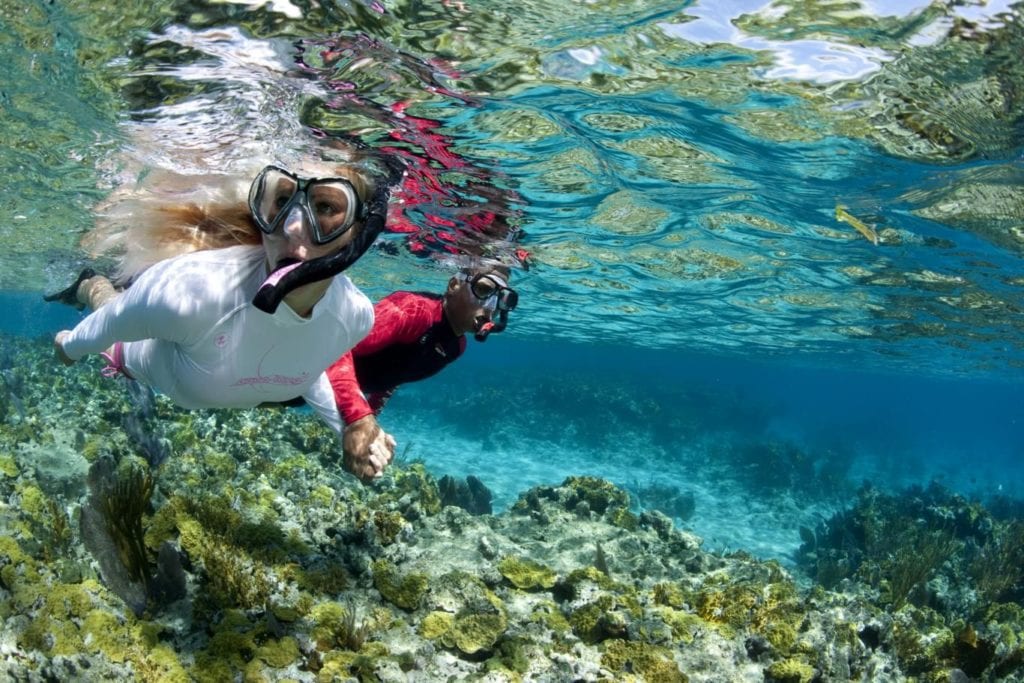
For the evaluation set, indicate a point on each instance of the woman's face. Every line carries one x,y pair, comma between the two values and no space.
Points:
293,242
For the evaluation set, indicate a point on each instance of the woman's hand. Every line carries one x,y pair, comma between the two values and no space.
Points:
58,347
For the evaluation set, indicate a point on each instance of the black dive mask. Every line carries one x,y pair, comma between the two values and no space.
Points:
497,297
331,208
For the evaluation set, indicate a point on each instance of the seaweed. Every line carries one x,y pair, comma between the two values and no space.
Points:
340,624
907,555
112,530
998,568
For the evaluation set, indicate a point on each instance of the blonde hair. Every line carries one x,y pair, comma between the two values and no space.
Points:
168,214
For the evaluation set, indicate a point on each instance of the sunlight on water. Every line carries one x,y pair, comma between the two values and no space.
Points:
676,172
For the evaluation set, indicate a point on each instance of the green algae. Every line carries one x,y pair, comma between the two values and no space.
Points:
468,632
548,614
669,594
336,625
436,625
526,574
474,619
413,483
405,591
279,653
329,579
32,501
473,632
643,661
8,467
790,671
388,526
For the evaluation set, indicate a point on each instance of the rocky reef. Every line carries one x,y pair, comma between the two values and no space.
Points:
255,558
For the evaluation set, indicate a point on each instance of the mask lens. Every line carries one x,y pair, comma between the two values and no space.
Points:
332,204
273,190
484,287
494,293
508,299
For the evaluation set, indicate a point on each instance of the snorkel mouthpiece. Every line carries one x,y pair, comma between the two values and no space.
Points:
490,327
276,286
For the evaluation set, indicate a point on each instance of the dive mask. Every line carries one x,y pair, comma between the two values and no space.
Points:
497,297
493,291
330,205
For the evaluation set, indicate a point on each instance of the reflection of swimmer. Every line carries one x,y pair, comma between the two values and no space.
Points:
446,204
206,328
414,336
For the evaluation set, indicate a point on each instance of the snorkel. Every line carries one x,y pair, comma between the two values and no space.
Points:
490,327
290,277
498,304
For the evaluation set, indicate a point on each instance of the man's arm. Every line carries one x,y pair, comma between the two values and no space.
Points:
399,318
366,448
348,397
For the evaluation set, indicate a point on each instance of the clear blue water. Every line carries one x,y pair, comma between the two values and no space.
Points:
519,413
679,173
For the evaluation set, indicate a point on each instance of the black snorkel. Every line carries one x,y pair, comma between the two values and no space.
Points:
285,280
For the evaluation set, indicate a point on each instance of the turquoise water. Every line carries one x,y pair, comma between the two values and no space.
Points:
768,253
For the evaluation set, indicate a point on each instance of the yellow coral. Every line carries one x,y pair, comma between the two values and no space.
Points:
526,574
8,467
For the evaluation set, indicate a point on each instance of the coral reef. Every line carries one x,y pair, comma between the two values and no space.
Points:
939,566
291,571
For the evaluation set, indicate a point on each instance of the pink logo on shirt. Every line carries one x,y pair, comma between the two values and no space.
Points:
271,379
221,341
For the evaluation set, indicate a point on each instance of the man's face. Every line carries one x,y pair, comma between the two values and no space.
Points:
470,302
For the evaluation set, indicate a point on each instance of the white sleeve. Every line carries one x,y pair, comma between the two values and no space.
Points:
157,306
320,398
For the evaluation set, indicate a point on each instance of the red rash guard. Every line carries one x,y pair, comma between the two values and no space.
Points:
410,340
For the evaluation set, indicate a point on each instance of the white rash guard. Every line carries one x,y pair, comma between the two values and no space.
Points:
191,332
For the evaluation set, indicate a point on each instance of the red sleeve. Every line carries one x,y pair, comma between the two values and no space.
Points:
398,318
349,398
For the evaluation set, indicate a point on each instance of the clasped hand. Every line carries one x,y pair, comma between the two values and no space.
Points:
368,449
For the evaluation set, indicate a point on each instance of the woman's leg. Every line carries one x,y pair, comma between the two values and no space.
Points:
96,291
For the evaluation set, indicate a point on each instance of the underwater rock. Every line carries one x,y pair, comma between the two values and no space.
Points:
153,448
470,495
59,468
670,500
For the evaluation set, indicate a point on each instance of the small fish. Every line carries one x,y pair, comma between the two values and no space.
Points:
860,226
